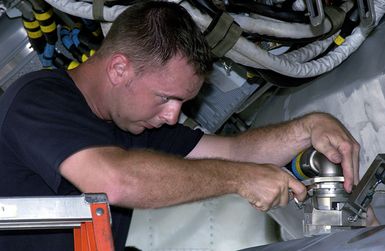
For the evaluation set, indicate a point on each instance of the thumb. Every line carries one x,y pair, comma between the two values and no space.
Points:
299,190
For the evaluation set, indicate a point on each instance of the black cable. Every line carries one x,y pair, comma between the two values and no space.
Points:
244,6
351,21
122,2
255,37
206,6
47,20
278,79
63,62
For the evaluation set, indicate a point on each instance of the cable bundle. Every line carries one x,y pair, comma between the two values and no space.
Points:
311,50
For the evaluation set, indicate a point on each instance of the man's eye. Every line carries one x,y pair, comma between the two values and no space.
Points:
164,99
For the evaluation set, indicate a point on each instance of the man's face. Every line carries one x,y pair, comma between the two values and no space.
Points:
155,97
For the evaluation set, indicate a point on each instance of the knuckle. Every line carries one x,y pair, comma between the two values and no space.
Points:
277,190
303,190
346,146
356,146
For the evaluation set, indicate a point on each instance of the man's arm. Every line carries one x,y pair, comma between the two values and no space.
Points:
216,166
278,144
147,179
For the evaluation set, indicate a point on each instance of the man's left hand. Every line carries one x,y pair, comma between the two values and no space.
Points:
331,138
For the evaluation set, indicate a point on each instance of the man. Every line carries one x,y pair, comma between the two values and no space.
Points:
110,126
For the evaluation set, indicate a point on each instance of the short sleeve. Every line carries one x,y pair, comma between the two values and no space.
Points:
178,139
47,122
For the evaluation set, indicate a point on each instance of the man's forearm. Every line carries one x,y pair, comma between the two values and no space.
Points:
276,144
147,179
164,180
150,179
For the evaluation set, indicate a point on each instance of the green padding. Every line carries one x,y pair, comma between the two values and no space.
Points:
97,9
336,16
228,42
219,31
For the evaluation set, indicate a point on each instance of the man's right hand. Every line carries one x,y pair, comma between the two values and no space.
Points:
266,186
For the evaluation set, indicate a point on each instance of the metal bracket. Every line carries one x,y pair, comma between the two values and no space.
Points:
362,195
316,11
366,11
47,212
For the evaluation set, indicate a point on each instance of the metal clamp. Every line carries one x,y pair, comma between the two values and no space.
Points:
316,11
362,195
366,11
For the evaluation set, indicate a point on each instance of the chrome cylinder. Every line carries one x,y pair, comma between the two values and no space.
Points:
323,210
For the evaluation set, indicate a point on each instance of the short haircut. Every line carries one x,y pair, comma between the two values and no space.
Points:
151,33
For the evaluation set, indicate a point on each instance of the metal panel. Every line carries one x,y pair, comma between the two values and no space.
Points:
372,239
354,93
16,55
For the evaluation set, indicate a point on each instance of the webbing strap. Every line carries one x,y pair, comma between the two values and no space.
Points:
220,29
223,34
229,41
337,17
97,9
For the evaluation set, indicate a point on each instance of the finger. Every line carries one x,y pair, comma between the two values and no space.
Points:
347,166
259,207
284,197
329,151
298,189
341,153
356,161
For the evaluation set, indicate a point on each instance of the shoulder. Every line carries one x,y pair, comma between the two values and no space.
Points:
40,76
44,87
41,95
37,83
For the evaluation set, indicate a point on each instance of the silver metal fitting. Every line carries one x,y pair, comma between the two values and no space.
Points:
323,212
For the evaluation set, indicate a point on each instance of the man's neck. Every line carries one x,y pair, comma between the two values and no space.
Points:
89,79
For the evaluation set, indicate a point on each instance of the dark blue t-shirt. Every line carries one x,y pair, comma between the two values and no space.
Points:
43,120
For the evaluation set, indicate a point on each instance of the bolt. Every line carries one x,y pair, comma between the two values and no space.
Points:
99,211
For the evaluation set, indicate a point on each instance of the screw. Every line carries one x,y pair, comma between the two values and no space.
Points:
99,211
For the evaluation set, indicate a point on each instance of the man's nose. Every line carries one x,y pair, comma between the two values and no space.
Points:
170,114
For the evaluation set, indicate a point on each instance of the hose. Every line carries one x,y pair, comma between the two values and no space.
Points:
247,53
259,57
276,28
242,6
84,9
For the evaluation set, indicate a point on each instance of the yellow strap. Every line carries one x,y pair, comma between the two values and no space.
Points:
339,40
73,65
92,52
298,167
84,58
43,16
96,33
31,24
49,28
250,75
34,34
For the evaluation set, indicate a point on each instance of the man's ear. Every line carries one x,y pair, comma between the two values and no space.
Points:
119,69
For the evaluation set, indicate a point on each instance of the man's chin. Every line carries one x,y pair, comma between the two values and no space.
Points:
135,129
